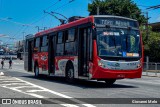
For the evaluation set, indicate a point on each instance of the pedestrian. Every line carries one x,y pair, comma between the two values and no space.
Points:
10,63
2,63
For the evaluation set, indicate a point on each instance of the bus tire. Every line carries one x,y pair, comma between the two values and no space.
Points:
110,82
36,71
69,73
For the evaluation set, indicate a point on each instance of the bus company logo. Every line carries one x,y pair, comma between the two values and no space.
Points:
44,58
131,64
117,65
114,64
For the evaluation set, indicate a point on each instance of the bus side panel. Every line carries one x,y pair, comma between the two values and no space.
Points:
41,59
61,64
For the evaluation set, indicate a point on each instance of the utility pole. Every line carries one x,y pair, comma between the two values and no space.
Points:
23,34
149,8
97,10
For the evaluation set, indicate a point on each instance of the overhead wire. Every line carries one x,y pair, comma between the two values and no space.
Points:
46,9
44,15
70,1
29,25
15,35
32,24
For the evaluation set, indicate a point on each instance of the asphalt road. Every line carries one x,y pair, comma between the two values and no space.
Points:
17,83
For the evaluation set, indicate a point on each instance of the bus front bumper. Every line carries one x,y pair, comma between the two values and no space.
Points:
101,73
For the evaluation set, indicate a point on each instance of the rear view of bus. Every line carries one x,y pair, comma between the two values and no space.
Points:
117,49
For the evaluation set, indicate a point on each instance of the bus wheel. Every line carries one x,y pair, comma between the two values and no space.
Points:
69,73
36,71
110,82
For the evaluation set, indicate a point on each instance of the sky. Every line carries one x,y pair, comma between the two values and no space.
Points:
25,15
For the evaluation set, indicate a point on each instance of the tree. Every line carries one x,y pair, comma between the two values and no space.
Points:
152,45
126,8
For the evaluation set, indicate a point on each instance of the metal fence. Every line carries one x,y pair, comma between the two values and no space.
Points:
151,68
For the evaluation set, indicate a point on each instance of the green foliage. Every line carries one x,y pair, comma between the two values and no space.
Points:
152,45
126,8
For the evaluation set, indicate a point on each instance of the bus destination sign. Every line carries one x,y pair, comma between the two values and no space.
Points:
116,22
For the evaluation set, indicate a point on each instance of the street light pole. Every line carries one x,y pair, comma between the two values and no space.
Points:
97,10
23,35
149,8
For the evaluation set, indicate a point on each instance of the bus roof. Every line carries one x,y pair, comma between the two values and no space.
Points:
78,22
68,25
105,16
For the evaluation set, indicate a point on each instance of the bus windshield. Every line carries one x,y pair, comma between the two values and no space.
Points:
118,42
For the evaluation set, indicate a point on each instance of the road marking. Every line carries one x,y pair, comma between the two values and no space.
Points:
31,92
14,84
36,95
58,94
20,87
1,73
9,81
35,91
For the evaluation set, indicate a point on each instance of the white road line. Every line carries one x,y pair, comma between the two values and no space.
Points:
45,89
54,101
36,95
21,87
9,81
39,96
35,91
58,94
14,84
69,105
1,73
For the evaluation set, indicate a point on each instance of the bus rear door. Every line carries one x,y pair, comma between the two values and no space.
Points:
51,54
28,54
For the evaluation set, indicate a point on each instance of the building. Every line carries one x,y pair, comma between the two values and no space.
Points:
155,26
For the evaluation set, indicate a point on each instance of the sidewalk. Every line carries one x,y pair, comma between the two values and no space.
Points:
152,74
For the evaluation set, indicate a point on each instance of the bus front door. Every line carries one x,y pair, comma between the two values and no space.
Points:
83,52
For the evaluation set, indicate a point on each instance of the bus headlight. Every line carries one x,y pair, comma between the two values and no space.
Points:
139,65
101,64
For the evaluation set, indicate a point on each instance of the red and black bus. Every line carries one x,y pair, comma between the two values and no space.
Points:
102,47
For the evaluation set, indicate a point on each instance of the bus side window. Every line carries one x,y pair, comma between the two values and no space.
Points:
44,44
60,44
70,46
37,45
